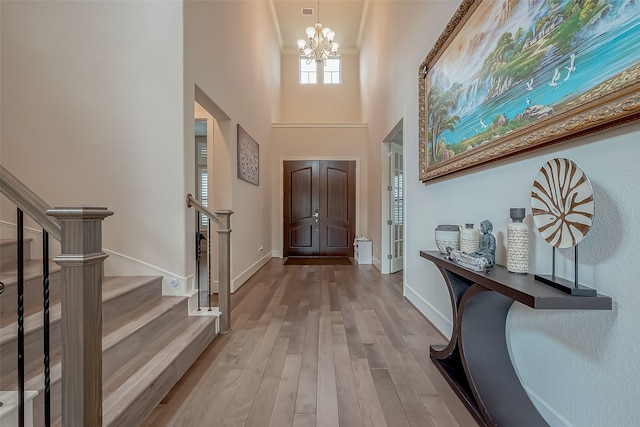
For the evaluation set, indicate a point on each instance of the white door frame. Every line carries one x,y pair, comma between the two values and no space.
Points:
280,240
394,137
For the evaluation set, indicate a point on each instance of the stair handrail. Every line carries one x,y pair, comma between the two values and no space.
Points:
23,197
192,201
81,263
223,220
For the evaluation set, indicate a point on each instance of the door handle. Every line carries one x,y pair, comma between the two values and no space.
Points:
316,214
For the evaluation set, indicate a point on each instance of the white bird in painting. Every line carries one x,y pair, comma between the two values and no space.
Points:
482,124
554,80
527,100
572,67
530,84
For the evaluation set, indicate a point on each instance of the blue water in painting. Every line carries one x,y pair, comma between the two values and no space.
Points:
614,48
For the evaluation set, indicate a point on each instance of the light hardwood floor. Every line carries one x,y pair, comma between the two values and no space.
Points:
317,346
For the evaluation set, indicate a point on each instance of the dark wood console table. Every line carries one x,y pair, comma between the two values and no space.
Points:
476,361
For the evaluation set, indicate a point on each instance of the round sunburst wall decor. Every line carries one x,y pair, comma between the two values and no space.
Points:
562,203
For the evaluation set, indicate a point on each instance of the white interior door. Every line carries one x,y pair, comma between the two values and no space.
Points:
396,215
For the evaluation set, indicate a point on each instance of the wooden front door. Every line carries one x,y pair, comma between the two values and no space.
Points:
319,207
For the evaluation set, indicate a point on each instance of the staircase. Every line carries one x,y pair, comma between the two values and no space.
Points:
148,340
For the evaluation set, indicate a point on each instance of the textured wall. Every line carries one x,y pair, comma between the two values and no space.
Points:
579,367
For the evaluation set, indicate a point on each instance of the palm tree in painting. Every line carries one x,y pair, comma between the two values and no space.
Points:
441,103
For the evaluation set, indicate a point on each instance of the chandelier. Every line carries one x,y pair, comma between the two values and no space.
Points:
319,44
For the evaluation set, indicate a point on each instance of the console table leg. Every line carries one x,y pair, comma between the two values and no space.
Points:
496,388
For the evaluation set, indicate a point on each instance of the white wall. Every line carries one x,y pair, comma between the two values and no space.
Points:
578,366
98,109
91,111
232,55
320,103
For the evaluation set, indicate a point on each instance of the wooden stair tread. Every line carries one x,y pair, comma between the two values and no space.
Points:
112,287
115,286
36,382
9,252
155,379
32,270
165,304
9,241
149,341
32,322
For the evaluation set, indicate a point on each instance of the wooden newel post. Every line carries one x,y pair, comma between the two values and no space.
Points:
81,261
224,268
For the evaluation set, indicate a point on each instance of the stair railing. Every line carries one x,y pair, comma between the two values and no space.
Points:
223,220
81,259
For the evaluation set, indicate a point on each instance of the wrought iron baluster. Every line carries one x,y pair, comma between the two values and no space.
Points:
198,253
47,347
20,258
209,263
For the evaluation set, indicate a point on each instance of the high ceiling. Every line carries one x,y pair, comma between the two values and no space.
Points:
343,17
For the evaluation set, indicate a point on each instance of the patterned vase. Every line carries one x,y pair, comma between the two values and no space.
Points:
517,242
447,235
469,239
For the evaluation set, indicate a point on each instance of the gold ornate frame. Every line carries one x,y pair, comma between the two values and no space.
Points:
609,104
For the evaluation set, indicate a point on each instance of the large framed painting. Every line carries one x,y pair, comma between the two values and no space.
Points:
248,157
511,76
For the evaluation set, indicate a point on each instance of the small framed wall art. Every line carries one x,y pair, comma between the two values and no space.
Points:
248,157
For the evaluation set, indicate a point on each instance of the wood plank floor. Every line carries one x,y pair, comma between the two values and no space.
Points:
317,346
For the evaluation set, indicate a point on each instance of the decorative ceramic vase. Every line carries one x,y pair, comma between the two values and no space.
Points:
517,242
447,235
469,239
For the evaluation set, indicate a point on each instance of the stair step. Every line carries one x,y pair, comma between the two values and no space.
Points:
145,331
121,295
116,296
32,268
33,345
149,341
132,402
33,290
131,394
9,253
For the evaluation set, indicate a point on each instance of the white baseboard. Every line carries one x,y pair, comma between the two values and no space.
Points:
440,321
245,275
172,284
276,254
377,264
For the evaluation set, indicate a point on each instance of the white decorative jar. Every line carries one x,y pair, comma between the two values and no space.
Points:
469,239
447,235
517,242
